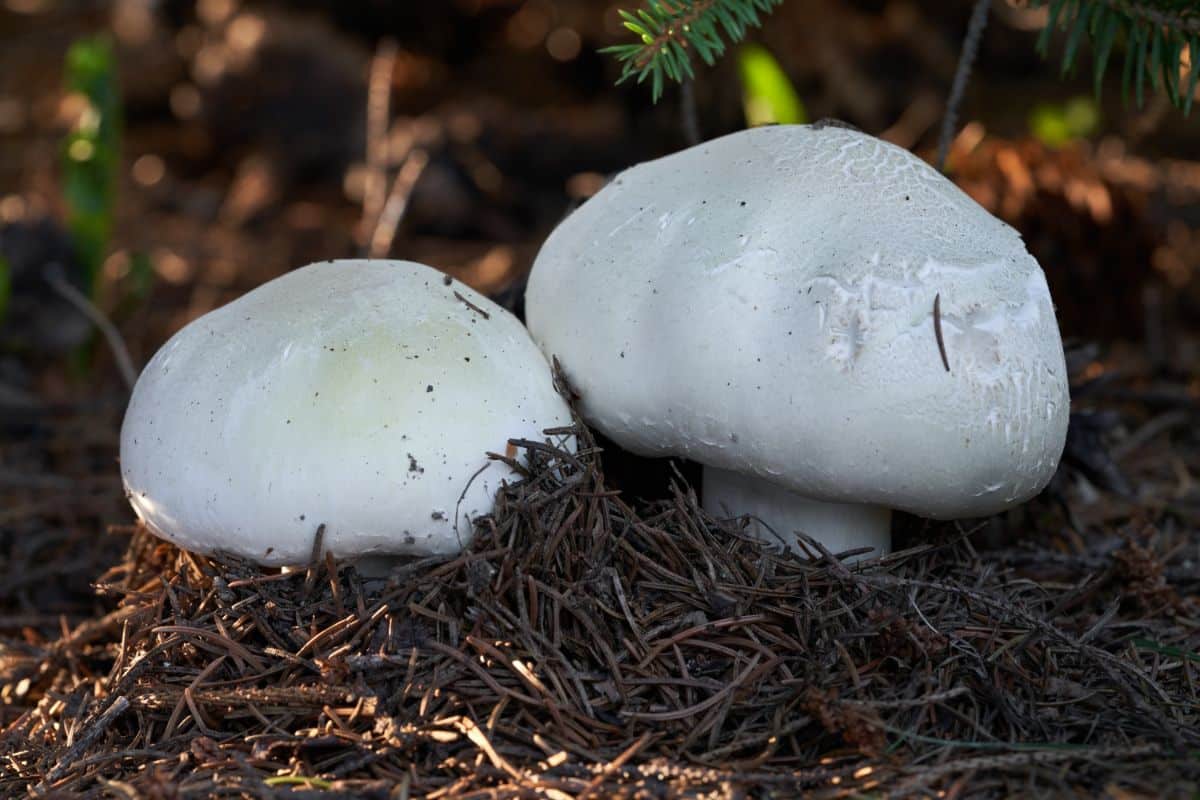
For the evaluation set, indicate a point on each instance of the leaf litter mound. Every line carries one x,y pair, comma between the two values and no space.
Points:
584,647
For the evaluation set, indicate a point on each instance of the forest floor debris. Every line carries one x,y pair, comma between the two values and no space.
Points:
587,647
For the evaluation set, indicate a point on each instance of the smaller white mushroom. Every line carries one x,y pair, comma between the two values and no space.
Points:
832,328
362,395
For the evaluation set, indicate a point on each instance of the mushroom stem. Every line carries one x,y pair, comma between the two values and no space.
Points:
838,526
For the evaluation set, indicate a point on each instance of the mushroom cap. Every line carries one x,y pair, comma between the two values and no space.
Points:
363,395
764,303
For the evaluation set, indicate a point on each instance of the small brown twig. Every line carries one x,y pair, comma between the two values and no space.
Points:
116,344
379,95
472,306
397,203
92,732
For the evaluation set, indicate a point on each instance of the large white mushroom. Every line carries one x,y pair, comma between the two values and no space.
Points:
361,395
825,322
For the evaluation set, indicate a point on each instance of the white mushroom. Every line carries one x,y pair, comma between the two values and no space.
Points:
825,322
362,395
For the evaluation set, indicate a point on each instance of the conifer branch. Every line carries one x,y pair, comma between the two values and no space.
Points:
1174,20
1155,35
1160,39
671,29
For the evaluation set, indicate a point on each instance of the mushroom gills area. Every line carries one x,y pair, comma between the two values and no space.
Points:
838,526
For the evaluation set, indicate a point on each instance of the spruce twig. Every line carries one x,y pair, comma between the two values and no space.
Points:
671,29
1154,34
1158,16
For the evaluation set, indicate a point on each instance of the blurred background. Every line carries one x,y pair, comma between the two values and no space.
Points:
160,157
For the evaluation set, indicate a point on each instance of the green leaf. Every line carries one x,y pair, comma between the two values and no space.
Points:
1058,125
767,94
1049,126
141,275
1082,115
91,152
